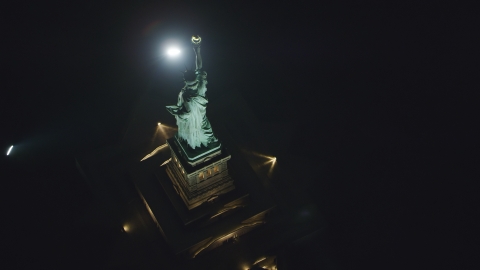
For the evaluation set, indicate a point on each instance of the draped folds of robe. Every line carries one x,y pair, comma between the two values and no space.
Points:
190,113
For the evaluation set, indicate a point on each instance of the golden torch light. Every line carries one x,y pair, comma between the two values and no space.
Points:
196,40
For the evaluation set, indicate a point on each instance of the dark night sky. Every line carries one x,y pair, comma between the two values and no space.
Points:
381,92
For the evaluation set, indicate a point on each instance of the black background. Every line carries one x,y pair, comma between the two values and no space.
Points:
382,93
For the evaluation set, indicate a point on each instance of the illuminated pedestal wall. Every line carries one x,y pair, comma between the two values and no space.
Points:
177,198
200,183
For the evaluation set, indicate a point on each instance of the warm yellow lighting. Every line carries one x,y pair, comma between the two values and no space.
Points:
154,152
212,240
167,161
269,158
271,161
270,170
196,39
260,260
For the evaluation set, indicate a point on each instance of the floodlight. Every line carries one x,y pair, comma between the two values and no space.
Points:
173,51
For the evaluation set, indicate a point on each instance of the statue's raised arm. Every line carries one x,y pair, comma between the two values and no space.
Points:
193,125
196,41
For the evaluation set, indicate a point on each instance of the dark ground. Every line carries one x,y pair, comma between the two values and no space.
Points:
381,94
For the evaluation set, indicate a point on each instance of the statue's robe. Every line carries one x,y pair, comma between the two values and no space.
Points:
190,112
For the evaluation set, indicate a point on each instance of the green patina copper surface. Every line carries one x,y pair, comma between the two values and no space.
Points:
190,110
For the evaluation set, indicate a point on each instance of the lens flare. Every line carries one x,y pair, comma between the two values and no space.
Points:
9,150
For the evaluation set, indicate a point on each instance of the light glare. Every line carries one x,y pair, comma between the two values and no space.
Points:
154,152
173,52
9,150
260,260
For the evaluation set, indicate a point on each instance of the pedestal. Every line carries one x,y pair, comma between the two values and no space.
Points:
211,224
198,175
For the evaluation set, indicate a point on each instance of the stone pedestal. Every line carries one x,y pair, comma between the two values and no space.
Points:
198,175
209,222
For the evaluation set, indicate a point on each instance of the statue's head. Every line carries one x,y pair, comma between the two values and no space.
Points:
189,77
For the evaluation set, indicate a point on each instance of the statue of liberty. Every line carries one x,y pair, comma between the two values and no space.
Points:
190,111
